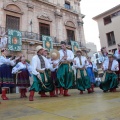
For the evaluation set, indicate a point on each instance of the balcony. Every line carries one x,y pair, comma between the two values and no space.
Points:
27,35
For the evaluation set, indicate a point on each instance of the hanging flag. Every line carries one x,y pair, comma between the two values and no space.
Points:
14,40
75,46
47,42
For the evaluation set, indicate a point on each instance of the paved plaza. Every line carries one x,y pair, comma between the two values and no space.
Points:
96,106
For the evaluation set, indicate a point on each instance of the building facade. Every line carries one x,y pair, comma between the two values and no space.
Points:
92,47
60,19
109,27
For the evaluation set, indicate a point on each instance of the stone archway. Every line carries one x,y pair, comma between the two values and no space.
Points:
70,24
13,8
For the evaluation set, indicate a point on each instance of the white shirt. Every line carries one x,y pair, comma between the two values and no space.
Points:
6,61
70,55
114,65
103,58
36,64
83,59
54,62
117,55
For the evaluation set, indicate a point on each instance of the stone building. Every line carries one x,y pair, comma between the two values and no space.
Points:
60,19
109,27
92,47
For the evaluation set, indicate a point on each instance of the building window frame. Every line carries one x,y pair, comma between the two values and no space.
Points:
71,35
111,38
107,20
46,30
14,17
67,5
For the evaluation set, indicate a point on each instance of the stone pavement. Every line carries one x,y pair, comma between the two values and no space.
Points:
96,106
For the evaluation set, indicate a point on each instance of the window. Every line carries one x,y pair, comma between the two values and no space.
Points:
67,5
44,29
12,22
107,20
110,38
70,35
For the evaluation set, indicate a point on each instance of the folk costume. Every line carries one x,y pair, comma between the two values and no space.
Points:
22,71
104,55
90,73
41,82
117,55
64,72
54,62
82,79
110,78
6,78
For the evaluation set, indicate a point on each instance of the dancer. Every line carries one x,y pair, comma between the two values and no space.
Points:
22,71
54,54
117,55
64,72
89,69
104,54
110,78
83,81
41,82
6,78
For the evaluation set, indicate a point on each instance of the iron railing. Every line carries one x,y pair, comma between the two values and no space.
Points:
27,35
35,36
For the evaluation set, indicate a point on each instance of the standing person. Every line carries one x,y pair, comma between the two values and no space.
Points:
6,78
45,52
64,72
104,54
41,81
110,81
117,55
83,81
95,69
54,54
90,72
22,71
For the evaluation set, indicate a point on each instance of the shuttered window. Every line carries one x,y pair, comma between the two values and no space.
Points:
12,22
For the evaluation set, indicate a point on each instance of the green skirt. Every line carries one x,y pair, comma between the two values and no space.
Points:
83,82
37,86
110,82
65,76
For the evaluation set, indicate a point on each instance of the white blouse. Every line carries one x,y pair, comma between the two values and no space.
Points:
6,61
117,55
20,66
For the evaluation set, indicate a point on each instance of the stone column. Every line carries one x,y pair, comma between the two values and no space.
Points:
59,26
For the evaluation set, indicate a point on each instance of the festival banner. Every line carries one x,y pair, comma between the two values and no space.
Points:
14,40
47,42
75,46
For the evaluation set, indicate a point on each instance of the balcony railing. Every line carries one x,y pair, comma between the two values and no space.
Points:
35,36
27,35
